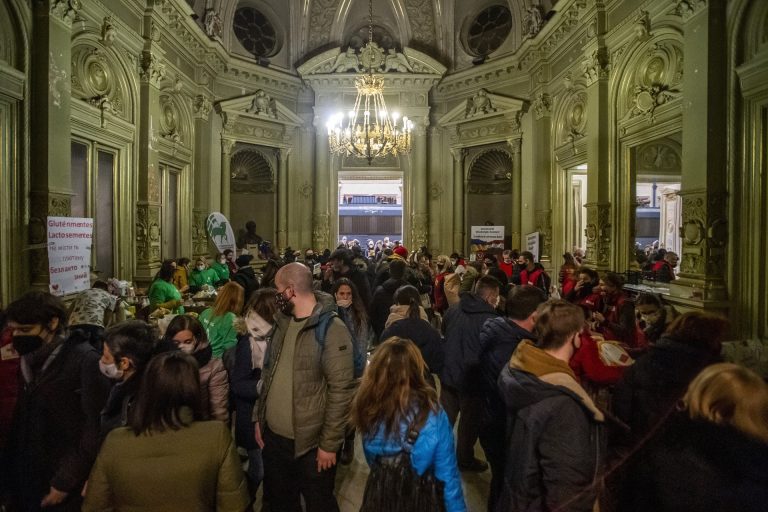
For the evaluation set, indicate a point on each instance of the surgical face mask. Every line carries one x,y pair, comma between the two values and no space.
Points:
453,261
651,318
344,303
200,267
26,343
110,370
187,348
223,261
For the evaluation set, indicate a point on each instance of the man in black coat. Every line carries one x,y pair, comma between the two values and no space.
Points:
55,433
384,296
499,338
341,265
555,446
245,276
460,377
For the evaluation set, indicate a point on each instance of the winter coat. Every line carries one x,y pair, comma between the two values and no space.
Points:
221,330
54,437
323,379
432,449
426,337
192,468
246,278
499,338
117,410
652,386
462,325
439,300
9,383
555,441
698,466
214,384
383,298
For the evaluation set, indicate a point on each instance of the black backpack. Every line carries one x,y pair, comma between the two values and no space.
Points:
394,486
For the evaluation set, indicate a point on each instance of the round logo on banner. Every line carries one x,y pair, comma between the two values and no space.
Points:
220,231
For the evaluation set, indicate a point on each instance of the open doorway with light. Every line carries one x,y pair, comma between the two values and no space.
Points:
370,208
576,213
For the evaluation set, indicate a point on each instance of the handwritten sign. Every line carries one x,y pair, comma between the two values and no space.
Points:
69,254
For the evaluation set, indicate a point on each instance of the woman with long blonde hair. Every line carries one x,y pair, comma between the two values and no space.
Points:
397,412
714,453
219,321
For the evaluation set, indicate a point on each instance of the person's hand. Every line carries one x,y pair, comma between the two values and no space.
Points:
325,460
598,316
54,497
579,285
257,435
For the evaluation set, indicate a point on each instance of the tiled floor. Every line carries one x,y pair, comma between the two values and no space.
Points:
350,484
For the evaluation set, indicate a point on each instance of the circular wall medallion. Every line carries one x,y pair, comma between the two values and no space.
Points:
98,77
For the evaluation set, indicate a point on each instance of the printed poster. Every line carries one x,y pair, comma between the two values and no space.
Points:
69,254
220,232
484,238
532,244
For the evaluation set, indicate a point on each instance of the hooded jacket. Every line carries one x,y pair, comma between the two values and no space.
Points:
462,325
555,443
383,298
323,379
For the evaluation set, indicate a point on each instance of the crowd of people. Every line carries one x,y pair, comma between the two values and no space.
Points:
577,392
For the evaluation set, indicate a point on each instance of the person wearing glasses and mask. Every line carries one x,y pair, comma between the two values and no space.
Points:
54,435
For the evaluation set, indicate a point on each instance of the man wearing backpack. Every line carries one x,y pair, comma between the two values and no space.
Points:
306,396
533,273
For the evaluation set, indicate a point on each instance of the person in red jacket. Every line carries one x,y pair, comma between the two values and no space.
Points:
9,381
533,273
568,274
440,301
507,263
615,316
664,269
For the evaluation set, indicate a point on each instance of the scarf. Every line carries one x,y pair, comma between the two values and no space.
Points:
400,312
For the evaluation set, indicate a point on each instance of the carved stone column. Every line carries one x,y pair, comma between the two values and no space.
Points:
201,175
282,200
541,156
599,253
704,230
321,218
419,186
459,154
227,145
50,159
516,218
598,233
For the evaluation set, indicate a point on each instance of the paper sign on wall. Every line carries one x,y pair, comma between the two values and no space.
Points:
486,237
532,244
69,254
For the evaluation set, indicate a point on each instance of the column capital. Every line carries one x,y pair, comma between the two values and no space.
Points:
202,107
227,145
282,153
65,11
152,70
596,66
515,145
687,8
542,105
459,154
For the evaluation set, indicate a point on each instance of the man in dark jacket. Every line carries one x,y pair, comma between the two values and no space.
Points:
245,276
341,265
499,339
55,432
555,447
460,376
384,295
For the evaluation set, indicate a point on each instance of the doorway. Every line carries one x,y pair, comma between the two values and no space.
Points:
370,209
576,212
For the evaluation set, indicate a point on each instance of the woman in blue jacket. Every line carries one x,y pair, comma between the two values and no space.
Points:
394,399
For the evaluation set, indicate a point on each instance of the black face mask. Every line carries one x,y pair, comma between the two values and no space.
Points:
283,304
26,343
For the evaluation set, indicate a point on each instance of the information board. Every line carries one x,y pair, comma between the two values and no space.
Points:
69,254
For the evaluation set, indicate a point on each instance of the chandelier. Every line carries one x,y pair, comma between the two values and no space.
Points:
369,130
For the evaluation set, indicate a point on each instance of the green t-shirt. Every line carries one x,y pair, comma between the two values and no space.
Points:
279,408
198,278
220,330
163,291
222,271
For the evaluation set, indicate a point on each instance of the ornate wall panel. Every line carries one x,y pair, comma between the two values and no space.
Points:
571,120
98,79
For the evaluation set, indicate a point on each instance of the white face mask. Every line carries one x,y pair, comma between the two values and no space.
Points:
187,348
200,267
110,370
344,303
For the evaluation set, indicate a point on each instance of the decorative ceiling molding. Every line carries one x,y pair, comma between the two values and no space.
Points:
335,61
483,105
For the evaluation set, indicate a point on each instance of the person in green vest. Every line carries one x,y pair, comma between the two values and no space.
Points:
162,293
222,269
219,320
201,275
